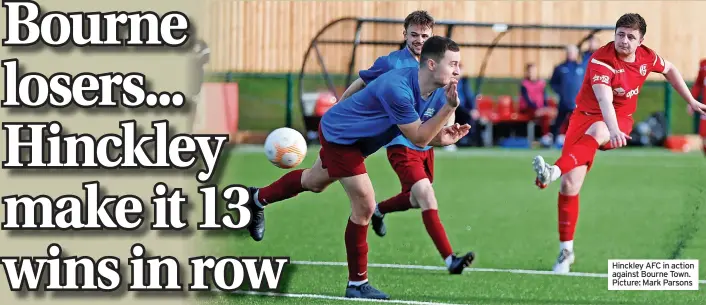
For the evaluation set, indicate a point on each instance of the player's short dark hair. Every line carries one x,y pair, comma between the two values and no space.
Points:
632,21
435,47
419,18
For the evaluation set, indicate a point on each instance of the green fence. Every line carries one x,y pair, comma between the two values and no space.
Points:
268,101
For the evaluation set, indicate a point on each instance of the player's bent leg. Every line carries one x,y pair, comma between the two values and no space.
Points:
580,151
568,213
314,179
398,203
360,191
409,165
409,168
423,196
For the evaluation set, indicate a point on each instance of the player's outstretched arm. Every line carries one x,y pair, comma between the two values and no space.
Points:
674,77
452,119
421,134
450,135
356,86
379,67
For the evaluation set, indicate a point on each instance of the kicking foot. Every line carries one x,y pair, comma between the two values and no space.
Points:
365,291
564,261
257,225
545,173
458,263
379,223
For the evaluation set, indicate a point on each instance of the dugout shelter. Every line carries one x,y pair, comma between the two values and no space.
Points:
346,45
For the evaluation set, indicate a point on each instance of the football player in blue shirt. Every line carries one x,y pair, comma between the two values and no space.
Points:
414,165
418,28
359,126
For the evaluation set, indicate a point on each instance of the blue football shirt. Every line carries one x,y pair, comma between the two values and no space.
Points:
395,60
427,109
369,118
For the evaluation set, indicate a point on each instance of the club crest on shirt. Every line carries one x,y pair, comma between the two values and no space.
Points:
429,113
643,70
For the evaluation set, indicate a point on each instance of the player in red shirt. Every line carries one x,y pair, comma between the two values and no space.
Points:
699,91
603,118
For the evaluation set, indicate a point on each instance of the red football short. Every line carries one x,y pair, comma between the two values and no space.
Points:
579,122
411,165
341,160
702,127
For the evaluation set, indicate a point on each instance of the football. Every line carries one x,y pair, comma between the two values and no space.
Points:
285,147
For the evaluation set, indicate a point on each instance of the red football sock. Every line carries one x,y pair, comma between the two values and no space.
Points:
568,216
357,251
436,232
398,203
286,187
578,154
704,148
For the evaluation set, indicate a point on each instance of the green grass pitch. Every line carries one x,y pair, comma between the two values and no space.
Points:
636,204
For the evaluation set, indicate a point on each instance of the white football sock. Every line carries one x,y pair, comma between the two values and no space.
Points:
257,201
556,173
357,283
377,211
448,260
568,245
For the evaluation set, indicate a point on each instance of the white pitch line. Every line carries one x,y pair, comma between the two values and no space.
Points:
328,297
395,266
439,268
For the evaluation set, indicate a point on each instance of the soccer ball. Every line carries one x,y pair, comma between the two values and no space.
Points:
285,147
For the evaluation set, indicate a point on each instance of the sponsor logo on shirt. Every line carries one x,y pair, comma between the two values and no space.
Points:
601,78
632,92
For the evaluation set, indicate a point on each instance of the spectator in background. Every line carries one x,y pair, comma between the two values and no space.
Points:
466,112
533,101
200,56
593,45
566,82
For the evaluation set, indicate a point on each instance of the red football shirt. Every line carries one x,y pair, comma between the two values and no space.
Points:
626,78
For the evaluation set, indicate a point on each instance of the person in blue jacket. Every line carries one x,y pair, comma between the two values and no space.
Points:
565,82
593,45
